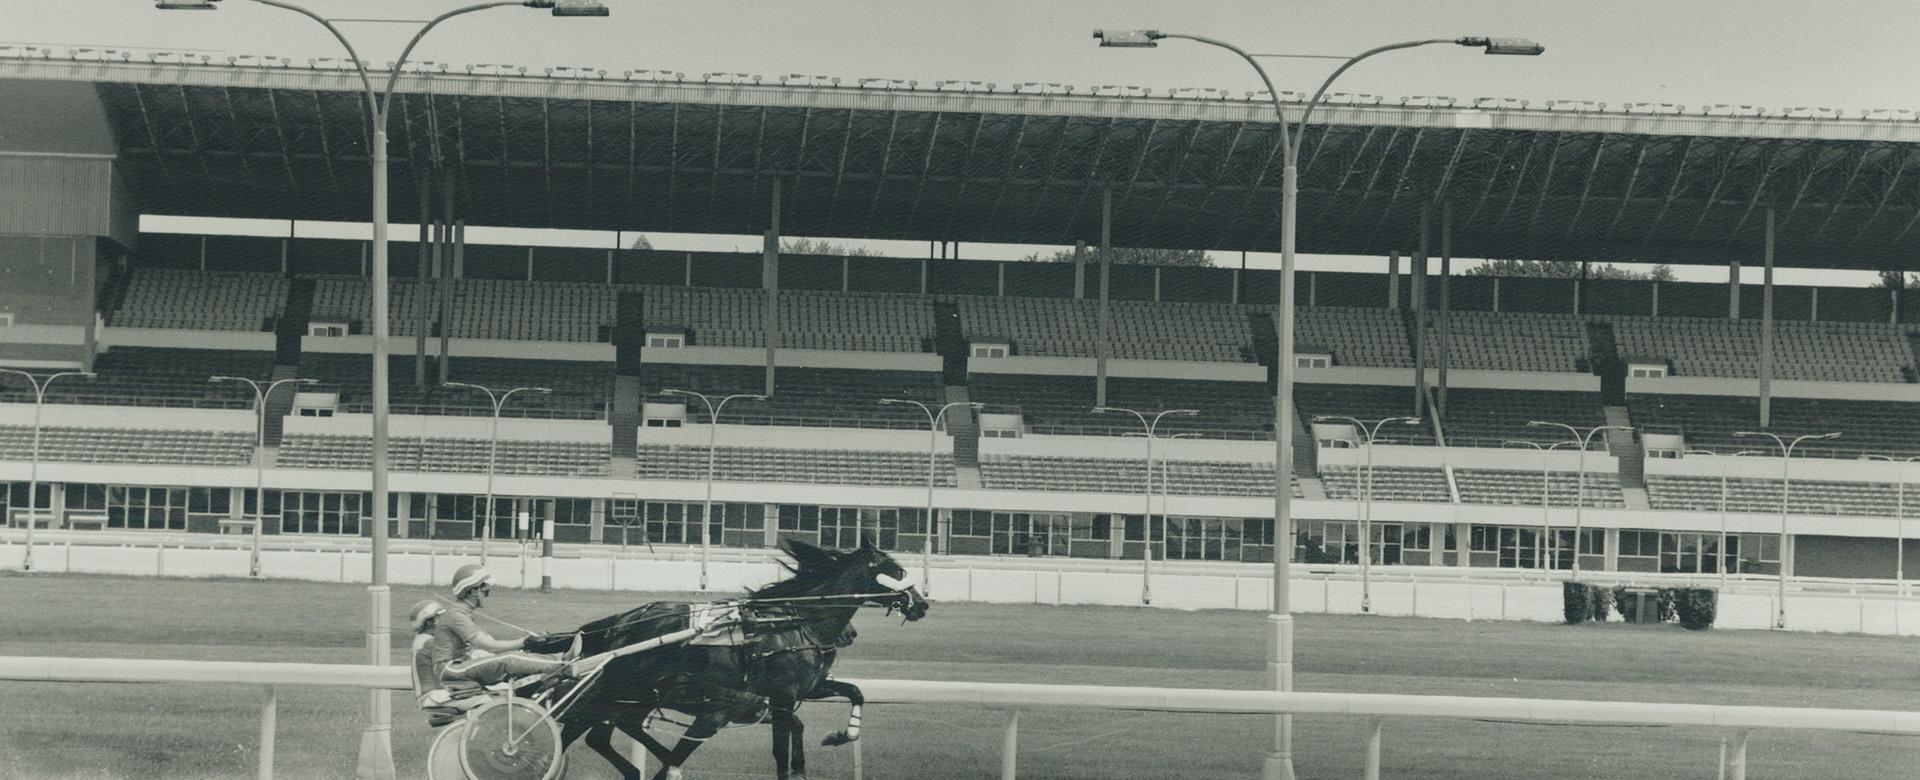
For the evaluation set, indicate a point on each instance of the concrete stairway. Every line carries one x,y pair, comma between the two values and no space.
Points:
1625,446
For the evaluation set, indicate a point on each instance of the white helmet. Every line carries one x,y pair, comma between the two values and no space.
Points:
423,611
468,577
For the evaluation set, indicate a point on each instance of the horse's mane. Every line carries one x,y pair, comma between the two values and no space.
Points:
814,569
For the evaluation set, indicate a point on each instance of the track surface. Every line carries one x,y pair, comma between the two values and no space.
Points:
104,731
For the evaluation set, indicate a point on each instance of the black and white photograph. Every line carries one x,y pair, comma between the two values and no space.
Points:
882,389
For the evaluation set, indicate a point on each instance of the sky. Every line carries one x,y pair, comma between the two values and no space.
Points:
1846,54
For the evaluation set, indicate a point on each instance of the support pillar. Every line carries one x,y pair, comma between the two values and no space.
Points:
1733,290
426,245
597,521
1419,272
1656,299
1462,544
1393,280
453,237
1446,305
1105,347
1080,270
1766,330
770,280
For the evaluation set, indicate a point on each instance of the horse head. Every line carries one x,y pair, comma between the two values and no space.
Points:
866,572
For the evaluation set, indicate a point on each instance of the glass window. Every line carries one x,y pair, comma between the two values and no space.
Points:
972,523
1483,538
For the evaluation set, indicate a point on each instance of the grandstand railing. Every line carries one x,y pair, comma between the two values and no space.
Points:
1734,722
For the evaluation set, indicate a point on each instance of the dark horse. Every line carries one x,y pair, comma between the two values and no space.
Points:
785,637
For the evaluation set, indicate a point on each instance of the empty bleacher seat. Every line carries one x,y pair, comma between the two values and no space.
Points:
1121,475
436,455
202,300
129,445
760,464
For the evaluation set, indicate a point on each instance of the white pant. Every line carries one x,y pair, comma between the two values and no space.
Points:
491,669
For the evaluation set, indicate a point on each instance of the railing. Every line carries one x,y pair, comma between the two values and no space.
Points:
1734,722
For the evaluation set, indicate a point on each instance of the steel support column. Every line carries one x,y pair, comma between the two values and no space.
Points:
443,276
426,246
1106,315
1446,306
1766,330
1420,313
770,280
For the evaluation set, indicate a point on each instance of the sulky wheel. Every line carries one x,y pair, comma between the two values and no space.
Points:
443,758
511,739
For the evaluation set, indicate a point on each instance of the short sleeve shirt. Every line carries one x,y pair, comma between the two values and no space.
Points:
453,634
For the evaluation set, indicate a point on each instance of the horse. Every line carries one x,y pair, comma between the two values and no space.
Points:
786,637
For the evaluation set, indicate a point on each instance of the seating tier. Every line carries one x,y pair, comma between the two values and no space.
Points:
1814,351
758,464
411,453
1522,488
202,300
1390,483
129,445
1121,475
1064,404
1702,494
845,398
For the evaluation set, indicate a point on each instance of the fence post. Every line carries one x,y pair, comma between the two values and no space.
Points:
1415,612
969,583
1503,601
269,712
1010,747
1723,758
69,570
160,560
610,576
1373,751
1326,595
1236,591
343,564
1739,767
859,762
433,566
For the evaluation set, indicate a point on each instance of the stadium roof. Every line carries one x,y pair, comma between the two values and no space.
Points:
655,152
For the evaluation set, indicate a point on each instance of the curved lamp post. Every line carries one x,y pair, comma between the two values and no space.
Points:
1580,492
376,742
933,441
497,400
1724,461
713,425
1899,522
1786,458
1279,762
1146,520
259,459
1366,516
1546,528
33,473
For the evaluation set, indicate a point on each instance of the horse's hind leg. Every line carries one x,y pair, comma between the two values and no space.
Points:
703,727
789,740
600,738
830,688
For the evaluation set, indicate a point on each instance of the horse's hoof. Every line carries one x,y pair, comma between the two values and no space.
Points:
836,739
674,773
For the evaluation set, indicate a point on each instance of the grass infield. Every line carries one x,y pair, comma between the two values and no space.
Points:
174,731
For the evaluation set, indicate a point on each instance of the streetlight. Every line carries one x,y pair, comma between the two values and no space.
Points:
713,425
1899,522
493,450
33,473
1366,517
1146,520
1546,528
376,741
259,458
1580,491
1279,763
933,440
1721,564
1786,458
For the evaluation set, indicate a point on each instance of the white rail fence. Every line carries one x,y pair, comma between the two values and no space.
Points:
1434,592
1735,723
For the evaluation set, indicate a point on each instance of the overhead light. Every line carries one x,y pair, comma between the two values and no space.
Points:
184,5
1134,39
1520,46
572,7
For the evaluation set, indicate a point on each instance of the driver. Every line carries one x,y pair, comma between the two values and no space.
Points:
463,651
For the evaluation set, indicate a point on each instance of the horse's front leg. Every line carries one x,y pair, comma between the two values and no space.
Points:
830,688
600,738
786,712
781,714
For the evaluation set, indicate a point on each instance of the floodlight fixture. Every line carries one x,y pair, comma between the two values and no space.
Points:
572,7
1128,39
184,5
1516,46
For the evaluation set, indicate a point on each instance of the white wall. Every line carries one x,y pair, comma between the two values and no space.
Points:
21,333
456,427
87,416
1514,459
1141,369
799,438
190,339
1132,447
796,358
1458,377
1782,388
500,348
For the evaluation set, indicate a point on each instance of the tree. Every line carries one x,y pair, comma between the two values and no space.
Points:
1195,258
1567,269
1895,280
812,246
640,242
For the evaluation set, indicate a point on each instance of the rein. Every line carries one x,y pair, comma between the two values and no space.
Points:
789,601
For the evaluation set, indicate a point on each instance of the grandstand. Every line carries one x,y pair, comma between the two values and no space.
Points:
849,331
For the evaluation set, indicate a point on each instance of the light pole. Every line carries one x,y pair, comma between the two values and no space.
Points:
1166,485
933,441
1786,458
259,456
1899,522
33,473
376,741
1546,527
1580,491
1279,762
1146,520
713,426
1721,564
1366,515
493,450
